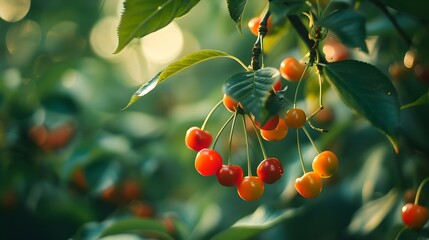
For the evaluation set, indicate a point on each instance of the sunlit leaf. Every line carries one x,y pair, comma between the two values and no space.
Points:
236,11
252,90
368,91
187,5
141,17
181,64
263,218
349,26
424,99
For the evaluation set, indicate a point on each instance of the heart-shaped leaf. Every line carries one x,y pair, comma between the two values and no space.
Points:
252,90
236,11
368,91
181,64
349,27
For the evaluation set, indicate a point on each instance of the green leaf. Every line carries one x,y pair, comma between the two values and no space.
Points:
368,91
181,64
137,225
424,99
141,17
349,27
263,218
417,8
236,11
187,5
252,90
407,234
284,8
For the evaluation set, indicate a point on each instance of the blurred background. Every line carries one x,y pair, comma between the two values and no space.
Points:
73,163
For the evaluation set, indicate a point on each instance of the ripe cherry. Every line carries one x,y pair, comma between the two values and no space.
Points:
414,216
230,103
208,162
270,170
229,175
278,86
325,164
270,124
291,69
277,133
334,50
295,118
197,139
250,188
253,25
309,185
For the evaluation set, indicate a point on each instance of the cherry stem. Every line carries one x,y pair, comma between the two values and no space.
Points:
221,130
230,138
297,86
311,140
249,167
299,151
210,114
264,154
258,46
419,190
319,75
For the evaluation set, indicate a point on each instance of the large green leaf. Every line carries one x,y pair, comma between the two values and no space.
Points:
424,99
367,90
284,8
262,219
152,226
417,8
141,17
349,27
252,90
181,64
187,5
236,11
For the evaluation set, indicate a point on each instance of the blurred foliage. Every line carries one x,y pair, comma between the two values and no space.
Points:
74,165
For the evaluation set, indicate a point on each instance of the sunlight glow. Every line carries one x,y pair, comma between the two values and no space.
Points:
14,10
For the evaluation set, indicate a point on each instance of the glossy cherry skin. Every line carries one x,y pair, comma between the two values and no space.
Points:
270,170
229,103
325,164
250,188
270,124
414,216
254,23
229,175
277,133
197,139
208,162
291,69
278,86
295,118
309,185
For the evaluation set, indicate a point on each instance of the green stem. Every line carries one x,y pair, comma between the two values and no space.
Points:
264,154
210,114
311,140
230,138
221,130
297,87
249,167
419,190
299,151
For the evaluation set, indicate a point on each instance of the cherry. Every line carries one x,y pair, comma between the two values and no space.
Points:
230,103
208,162
295,118
277,133
253,25
270,170
197,139
130,190
291,69
335,51
229,175
250,188
414,216
270,124
278,86
325,164
141,209
309,185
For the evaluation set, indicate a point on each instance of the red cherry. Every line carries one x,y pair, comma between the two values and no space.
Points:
414,216
278,86
325,164
309,185
250,188
197,139
270,170
229,103
208,162
270,124
291,69
295,118
229,175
